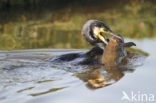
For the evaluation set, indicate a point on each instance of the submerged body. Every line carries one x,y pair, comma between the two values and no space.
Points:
112,54
105,65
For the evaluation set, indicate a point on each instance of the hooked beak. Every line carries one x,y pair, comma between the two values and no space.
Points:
113,34
103,37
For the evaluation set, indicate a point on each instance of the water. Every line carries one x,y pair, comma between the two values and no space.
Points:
27,76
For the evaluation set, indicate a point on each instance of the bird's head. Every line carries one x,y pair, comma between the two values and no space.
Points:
94,32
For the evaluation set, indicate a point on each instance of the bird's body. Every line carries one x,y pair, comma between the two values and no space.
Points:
112,55
105,51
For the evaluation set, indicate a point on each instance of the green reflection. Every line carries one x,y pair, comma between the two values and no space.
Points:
22,90
49,91
44,81
60,27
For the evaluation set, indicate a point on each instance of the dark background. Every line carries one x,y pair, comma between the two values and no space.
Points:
32,24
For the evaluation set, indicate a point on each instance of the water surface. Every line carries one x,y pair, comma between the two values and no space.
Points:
27,76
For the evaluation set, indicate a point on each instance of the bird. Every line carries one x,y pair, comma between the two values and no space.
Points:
92,32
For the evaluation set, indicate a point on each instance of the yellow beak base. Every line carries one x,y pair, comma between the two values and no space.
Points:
101,37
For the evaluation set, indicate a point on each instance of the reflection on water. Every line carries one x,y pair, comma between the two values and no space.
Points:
98,75
27,76
22,90
49,91
103,76
40,37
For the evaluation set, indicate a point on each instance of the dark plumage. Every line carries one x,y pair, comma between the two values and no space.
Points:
90,28
105,51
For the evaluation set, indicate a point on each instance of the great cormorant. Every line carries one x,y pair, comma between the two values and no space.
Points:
92,32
